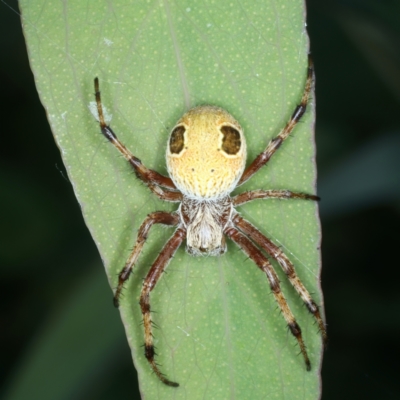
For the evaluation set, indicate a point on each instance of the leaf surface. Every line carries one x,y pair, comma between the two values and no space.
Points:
220,334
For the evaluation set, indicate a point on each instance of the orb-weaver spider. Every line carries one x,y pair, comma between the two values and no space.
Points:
206,156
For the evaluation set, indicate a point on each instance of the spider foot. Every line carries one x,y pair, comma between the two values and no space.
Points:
324,335
314,309
149,354
116,299
296,332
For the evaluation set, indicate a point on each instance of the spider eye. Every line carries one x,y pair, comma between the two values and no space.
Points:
231,142
177,140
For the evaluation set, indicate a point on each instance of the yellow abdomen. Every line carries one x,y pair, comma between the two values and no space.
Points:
206,153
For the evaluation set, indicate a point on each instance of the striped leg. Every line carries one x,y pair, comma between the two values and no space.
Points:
275,143
262,262
245,197
150,282
158,217
151,178
276,253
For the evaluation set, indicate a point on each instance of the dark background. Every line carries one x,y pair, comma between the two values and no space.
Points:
46,252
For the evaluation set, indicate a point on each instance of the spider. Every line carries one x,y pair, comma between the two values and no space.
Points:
206,157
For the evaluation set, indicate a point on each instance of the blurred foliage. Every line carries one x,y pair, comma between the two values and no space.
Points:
355,46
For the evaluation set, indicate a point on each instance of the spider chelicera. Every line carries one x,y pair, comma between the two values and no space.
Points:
206,156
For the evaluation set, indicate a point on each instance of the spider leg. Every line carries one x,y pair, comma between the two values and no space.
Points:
245,197
150,177
275,143
149,283
164,194
262,262
158,217
276,253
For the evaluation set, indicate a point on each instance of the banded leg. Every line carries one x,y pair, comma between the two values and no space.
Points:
276,253
275,143
149,284
152,178
262,262
166,195
158,217
245,197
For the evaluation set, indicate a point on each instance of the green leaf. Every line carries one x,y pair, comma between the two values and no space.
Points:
220,334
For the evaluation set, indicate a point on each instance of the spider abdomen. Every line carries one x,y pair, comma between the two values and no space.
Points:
205,222
206,153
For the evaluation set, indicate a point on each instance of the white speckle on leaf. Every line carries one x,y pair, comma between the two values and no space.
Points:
187,334
108,42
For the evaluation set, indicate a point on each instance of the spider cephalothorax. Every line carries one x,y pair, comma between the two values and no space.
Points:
205,222
206,156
